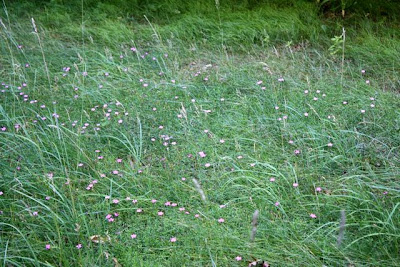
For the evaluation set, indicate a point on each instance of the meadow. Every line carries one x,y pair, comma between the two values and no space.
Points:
207,133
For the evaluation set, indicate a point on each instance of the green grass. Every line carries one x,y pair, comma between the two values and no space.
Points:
234,47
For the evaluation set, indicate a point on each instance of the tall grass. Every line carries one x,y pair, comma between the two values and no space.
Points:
304,164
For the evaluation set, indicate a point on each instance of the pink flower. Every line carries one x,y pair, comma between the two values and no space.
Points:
222,141
133,236
183,179
259,82
207,165
312,215
79,246
139,210
277,204
297,152
134,201
115,201
153,201
167,203
197,215
173,239
202,154
306,114
238,258
318,189
295,184
119,160
221,220
47,246
330,145
272,179
160,213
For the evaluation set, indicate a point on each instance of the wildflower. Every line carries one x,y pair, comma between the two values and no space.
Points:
259,82
312,215
221,220
173,239
202,154
305,114
277,204
197,215
139,210
79,246
297,152
183,179
318,189
330,144
295,184
272,179
47,246
133,236
160,213
207,165
153,201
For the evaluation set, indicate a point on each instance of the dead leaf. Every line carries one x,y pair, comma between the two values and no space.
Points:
98,239
116,263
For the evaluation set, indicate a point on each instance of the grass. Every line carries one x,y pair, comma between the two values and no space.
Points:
330,146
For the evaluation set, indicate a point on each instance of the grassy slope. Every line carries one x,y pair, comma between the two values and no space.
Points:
233,48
